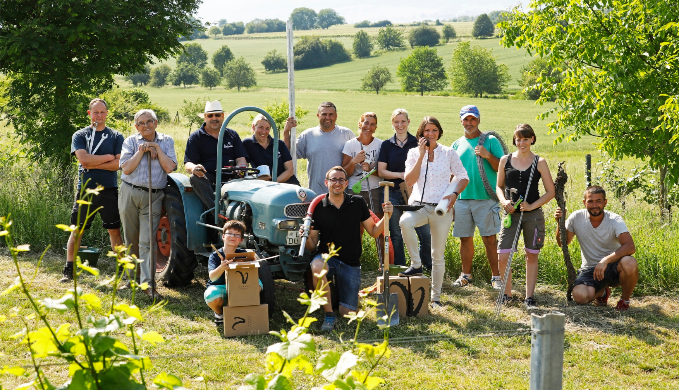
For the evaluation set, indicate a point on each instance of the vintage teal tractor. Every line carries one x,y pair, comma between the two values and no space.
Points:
272,212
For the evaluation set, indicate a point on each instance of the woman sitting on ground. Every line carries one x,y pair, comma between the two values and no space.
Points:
260,150
513,175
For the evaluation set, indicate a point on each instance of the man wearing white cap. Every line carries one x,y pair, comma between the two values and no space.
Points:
474,206
200,157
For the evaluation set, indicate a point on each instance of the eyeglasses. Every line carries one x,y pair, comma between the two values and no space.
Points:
147,123
338,181
233,235
216,115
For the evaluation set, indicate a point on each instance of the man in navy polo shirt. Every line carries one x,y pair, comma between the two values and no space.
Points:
337,220
200,157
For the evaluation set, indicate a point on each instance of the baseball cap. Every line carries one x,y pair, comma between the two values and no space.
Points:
469,110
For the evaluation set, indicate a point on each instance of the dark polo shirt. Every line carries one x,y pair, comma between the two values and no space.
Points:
395,156
257,156
201,148
342,227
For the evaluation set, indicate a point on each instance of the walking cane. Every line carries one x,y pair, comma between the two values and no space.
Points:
152,258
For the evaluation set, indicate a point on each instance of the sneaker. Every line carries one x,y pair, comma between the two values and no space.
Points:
67,273
506,299
411,272
530,303
328,324
462,281
435,305
124,285
496,282
603,300
622,305
219,319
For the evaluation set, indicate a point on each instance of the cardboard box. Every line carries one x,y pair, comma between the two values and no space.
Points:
242,284
418,304
398,285
246,320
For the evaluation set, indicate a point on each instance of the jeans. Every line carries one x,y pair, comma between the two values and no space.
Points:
440,227
423,234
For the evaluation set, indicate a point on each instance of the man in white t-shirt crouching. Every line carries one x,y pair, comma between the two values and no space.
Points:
606,248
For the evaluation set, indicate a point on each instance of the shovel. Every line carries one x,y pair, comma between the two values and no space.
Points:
387,302
356,188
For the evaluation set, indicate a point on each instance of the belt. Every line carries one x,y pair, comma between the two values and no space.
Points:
427,204
153,190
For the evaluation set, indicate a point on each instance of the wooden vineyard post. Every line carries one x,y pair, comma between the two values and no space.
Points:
560,186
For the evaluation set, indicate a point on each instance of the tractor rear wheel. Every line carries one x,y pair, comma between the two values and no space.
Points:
176,268
268,293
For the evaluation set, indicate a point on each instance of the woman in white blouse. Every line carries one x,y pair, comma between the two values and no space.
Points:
430,180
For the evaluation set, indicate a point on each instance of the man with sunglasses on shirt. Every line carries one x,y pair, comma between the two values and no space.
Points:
200,157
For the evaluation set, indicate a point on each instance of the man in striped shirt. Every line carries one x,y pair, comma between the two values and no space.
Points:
147,146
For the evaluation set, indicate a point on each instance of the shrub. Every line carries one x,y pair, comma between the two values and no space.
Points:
424,36
193,54
236,28
189,109
214,31
376,79
390,38
474,70
280,111
275,62
221,57
238,73
448,33
159,75
185,74
362,44
363,24
328,17
312,52
141,78
209,78
265,25
483,27
422,71
124,103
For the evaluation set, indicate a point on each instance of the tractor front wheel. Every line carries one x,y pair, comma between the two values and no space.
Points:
175,262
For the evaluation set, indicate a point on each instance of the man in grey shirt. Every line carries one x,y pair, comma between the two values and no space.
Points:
321,146
145,147
606,248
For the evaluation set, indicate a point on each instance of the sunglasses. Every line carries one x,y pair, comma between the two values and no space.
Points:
216,115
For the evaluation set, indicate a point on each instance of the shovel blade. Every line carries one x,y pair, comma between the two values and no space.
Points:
391,312
356,188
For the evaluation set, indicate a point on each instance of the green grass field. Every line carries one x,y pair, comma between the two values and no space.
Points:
347,76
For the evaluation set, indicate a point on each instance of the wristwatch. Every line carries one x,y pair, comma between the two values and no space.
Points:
457,194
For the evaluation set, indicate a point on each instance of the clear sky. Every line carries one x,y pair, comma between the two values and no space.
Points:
353,11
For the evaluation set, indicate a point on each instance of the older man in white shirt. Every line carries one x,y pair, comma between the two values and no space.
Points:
139,150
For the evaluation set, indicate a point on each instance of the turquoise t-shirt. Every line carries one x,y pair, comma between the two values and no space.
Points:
465,149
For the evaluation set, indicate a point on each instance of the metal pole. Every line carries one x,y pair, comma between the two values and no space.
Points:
588,169
152,258
291,93
546,355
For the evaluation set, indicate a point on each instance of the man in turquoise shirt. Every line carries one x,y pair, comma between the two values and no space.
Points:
474,206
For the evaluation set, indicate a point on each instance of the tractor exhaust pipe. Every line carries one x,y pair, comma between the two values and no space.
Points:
307,222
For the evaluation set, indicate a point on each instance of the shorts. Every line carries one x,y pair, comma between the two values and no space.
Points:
108,201
348,280
470,213
533,228
215,291
611,277
378,199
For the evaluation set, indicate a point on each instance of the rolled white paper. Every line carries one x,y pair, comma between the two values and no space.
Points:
442,207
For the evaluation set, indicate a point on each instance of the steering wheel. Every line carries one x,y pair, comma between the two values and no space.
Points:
243,170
